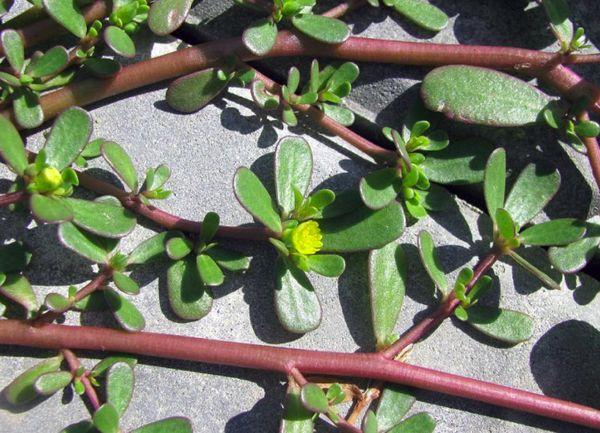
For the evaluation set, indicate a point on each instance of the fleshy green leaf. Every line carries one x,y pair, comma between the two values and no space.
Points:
102,217
296,303
328,265
561,231
293,170
209,271
124,311
88,245
12,149
56,302
165,16
151,249
14,257
341,115
68,137
313,398
260,37
13,49
387,277
363,229
171,425
50,63
423,14
462,162
431,262
296,419
119,41
574,257
533,189
370,424
119,386
322,29
193,92
558,13
506,225
17,288
508,326
27,109
494,182
377,189
188,297
179,247
49,383
102,67
100,368
121,163
125,283
106,419
394,404
482,96
229,260
50,209
255,198
21,390
68,15
421,422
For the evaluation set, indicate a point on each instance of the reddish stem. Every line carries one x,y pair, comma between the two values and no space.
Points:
593,151
74,364
12,198
344,8
284,360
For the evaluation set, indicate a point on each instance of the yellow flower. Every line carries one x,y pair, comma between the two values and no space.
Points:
307,238
49,179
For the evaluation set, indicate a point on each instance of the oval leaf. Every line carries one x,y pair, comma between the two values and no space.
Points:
483,96
125,283
293,170
322,29
209,271
49,383
494,182
12,149
229,260
50,63
377,189
508,326
165,16
119,41
104,218
171,425
421,422
328,265
68,15
27,109
431,262
260,37
255,198
17,288
88,245
119,386
574,257
121,163
21,390
423,14
152,248
561,231
188,297
124,311
68,137
106,419
296,418
313,398
193,92
394,404
13,49
101,67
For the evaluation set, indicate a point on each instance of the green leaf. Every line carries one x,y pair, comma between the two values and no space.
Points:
68,137
561,231
377,189
587,129
68,15
363,229
421,423
13,49
92,247
93,302
341,115
313,398
288,116
21,390
255,198
121,163
508,326
188,297
85,426
102,217
431,262
106,419
328,265
209,271
562,27
179,247
171,425
119,41
229,260
533,189
165,16
125,283
544,278
57,302
119,386
12,149
296,419
49,383
482,96
423,14
394,404
575,256
210,225
322,29
124,311
50,63
14,257
151,249
100,368
462,162
346,73
260,37
17,289
102,67
494,182
158,178
263,98
435,199
293,170
387,285
27,109
193,92
296,303
506,225
370,424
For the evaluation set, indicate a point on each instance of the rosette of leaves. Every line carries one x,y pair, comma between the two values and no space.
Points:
419,12
50,180
570,38
533,189
25,78
303,225
15,289
326,90
260,37
575,256
424,156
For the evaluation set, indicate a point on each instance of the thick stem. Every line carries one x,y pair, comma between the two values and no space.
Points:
74,364
284,360
12,198
344,8
445,310
593,151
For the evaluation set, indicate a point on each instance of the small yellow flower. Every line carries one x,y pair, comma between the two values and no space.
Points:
307,238
49,179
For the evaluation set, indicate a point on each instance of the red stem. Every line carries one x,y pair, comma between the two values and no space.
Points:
74,364
12,197
284,360
593,151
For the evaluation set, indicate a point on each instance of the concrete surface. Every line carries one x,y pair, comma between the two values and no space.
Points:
203,151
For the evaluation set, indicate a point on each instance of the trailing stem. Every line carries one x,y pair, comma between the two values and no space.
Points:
593,151
12,198
74,365
284,360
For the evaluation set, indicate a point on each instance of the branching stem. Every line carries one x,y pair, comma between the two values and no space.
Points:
74,364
